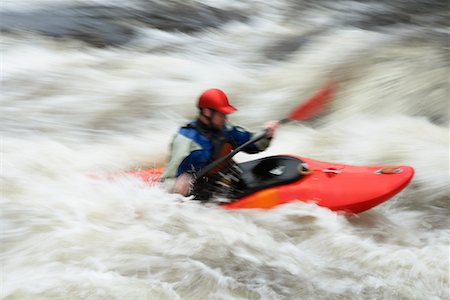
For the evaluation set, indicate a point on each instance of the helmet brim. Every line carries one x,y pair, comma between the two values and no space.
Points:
227,109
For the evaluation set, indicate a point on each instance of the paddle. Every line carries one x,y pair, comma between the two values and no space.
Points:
308,109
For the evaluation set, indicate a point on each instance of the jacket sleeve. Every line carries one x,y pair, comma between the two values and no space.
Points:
181,152
238,135
192,163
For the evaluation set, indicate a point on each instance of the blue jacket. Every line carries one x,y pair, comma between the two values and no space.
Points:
194,147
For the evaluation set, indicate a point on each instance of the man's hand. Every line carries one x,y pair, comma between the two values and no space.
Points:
271,127
183,184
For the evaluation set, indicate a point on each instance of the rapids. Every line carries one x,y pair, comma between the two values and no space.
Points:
92,87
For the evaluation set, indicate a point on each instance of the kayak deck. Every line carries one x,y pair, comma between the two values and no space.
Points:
338,187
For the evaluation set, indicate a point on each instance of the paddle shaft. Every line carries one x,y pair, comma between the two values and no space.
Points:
253,140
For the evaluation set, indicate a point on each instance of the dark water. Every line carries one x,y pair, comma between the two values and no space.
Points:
103,25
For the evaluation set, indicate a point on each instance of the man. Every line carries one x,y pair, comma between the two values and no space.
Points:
208,138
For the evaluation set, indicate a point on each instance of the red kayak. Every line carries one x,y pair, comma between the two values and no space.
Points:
275,180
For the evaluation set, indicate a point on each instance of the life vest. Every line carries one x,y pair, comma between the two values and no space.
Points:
220,151
221,147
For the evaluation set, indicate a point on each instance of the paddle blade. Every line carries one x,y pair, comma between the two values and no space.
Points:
314,105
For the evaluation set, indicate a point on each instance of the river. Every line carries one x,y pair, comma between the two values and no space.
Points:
93,87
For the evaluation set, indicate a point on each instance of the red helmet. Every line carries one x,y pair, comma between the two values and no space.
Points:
215,99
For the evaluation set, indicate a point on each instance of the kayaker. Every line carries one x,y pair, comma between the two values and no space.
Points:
206,139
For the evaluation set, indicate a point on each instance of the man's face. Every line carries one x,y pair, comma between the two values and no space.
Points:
218,119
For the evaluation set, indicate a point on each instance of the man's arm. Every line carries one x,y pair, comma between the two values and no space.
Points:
183,184
240,136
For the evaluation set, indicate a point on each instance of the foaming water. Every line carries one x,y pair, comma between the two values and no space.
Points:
72,112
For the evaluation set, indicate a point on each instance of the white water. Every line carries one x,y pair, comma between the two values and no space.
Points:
70,110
